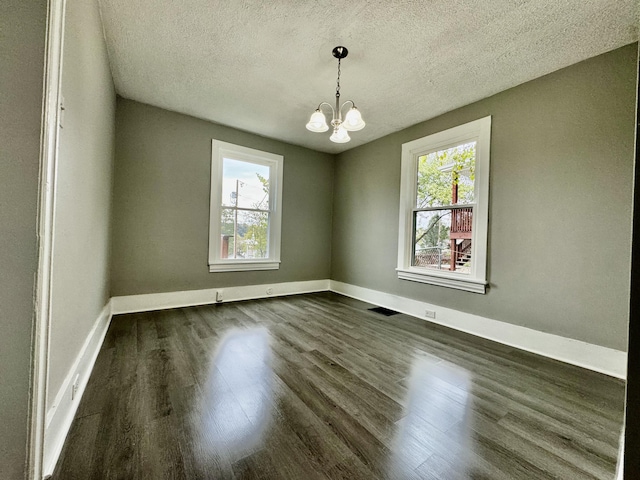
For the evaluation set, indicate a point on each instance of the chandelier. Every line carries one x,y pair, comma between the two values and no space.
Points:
352,121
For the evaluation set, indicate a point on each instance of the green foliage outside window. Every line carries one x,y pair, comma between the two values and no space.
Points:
438,173
258,224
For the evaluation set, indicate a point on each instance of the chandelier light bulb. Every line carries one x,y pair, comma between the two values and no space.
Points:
340,135
353,121
317,122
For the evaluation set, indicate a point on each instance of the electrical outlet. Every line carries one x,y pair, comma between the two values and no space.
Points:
74,387
269,291
219,296
430,314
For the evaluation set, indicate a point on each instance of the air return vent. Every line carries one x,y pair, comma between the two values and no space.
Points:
384,311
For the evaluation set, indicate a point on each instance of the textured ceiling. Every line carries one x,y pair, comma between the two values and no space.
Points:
265,66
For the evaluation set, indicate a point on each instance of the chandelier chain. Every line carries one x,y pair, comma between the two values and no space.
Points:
338,81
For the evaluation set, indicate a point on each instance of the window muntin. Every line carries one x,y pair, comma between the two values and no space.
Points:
444,207
246,195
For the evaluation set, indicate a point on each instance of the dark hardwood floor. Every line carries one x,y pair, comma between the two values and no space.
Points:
316,386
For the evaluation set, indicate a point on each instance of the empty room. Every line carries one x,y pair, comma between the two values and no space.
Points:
309,240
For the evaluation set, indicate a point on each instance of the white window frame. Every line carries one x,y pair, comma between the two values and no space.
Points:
219,151
476,280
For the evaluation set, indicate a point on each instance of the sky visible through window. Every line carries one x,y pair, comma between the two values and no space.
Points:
243,176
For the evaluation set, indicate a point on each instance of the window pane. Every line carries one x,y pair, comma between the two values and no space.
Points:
446,177
442,240
244,234
245,184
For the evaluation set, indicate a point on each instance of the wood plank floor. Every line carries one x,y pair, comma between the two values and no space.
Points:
316,386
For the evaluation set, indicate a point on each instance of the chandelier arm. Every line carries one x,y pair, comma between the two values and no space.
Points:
335,121
333,111
342,106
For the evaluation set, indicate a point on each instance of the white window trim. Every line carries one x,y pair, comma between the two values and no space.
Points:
219,151
476,280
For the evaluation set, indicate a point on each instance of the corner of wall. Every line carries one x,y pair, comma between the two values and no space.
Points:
60,415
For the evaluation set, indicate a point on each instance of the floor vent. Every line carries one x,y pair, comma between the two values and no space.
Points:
384,311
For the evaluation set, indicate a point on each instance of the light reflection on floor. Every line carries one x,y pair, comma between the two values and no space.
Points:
236,403
430,412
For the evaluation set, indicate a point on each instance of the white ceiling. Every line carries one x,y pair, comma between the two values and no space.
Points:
265,66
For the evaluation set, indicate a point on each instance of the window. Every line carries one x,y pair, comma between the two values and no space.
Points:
246,209
444,208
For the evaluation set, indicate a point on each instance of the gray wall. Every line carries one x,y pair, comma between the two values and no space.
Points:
22,39
161,205
560,211
83,190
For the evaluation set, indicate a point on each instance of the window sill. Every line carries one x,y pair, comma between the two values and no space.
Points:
243,266
444,280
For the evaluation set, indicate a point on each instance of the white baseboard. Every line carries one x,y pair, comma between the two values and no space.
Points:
593,357
60,415
620,465
161,301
